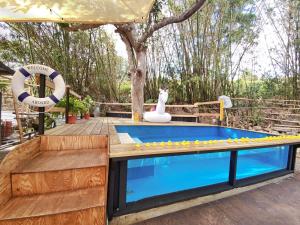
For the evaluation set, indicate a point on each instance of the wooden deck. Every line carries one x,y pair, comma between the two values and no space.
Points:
273,204
106,126
93,126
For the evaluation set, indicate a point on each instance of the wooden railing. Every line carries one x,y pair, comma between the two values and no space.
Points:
195,107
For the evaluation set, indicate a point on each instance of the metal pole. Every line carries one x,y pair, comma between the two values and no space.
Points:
67,103
233,167
42,92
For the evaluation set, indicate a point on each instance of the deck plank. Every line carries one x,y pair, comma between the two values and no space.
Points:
40,205
272,204
84,127
64,160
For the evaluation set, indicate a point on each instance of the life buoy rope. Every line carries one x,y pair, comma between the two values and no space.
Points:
23,96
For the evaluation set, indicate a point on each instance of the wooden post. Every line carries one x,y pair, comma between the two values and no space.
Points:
67,103
42,92
18,119
221,110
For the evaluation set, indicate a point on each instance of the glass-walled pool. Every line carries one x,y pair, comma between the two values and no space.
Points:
145,181
162,175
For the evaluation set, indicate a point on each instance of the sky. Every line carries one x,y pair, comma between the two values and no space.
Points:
120,46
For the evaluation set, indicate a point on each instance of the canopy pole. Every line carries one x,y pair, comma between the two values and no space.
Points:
42,92
67,104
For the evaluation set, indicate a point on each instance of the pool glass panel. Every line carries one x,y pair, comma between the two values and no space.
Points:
261,160
161,175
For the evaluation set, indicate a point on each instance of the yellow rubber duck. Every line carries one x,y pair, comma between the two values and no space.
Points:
154,144
162,143
229,140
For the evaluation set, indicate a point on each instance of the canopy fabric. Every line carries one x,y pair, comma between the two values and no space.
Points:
75,11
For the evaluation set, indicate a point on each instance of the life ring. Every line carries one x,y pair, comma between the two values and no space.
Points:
23,96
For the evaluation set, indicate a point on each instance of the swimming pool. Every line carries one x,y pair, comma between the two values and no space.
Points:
184,133
149,181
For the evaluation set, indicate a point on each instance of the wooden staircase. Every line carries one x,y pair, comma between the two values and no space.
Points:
65,184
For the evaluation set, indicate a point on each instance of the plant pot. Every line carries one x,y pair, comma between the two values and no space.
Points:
72,119
87,116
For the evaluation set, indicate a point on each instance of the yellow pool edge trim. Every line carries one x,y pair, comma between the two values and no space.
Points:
214,142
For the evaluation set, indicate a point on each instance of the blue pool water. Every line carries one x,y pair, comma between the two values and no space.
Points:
149,177
181,133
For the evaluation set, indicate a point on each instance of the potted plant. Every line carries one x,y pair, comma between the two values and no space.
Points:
72,112
88,103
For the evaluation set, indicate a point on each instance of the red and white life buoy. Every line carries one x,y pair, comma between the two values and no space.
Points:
23,96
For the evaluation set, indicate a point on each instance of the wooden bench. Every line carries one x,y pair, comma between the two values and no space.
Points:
118,114
175,117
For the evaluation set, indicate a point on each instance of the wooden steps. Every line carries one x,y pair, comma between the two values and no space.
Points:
65,184
41,207
54,171
64,160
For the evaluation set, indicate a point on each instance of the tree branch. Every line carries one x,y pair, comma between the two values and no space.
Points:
169,20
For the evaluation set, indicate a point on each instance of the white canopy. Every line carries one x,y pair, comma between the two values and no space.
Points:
75,11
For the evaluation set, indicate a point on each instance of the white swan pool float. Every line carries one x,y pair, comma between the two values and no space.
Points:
159,115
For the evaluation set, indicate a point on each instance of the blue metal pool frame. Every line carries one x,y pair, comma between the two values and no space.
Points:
117,204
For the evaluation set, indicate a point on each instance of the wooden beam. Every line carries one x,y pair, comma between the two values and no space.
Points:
50,85
56,110
207,114
168,106
75,94
207,103
18,119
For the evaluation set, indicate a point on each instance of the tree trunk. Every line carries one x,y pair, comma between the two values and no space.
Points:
137,85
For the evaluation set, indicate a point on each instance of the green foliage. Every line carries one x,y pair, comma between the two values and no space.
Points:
76,106
151,101
197,60
49,122
87,103
86,59
125,91
195,57
256,118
